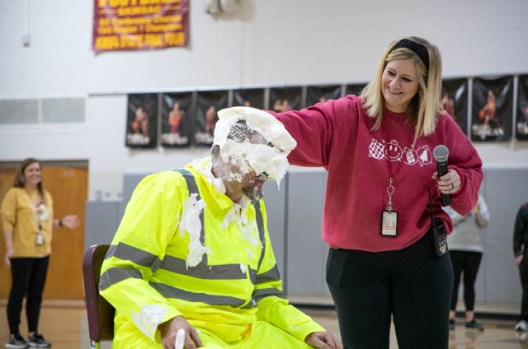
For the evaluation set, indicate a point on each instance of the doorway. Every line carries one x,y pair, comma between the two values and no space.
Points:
67,182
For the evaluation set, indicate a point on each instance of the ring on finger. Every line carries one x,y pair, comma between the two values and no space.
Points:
452,186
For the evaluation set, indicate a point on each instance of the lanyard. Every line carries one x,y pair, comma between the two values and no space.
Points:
393,171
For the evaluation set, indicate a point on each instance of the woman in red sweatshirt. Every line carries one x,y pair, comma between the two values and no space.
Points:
382,185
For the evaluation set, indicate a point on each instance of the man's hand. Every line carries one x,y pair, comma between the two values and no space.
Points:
323,340
169,330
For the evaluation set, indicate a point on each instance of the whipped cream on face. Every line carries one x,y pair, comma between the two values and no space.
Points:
207,170
269,159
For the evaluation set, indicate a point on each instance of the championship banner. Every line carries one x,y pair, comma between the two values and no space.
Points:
124,25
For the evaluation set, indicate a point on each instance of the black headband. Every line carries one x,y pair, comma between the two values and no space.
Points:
417,48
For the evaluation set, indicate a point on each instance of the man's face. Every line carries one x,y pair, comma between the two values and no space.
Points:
253,184
244,159
248,181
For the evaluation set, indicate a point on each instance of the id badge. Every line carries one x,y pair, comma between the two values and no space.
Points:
39,239
389,223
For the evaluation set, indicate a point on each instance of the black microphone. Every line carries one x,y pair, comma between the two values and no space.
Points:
441,153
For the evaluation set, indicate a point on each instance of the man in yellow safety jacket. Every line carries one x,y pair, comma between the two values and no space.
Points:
192,264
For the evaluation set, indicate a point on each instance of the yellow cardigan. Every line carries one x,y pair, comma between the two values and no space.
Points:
19,214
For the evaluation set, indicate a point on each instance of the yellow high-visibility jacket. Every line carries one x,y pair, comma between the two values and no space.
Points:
215,266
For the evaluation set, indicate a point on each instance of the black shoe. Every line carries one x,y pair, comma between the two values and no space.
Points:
451,324
474,325
16,341
37,341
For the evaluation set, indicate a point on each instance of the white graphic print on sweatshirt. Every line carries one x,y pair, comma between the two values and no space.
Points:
381,150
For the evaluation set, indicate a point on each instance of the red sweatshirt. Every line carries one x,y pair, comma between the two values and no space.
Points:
337,135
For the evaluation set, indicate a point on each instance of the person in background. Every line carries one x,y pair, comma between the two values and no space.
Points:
192,263
520,250
466,245
28,223
382,191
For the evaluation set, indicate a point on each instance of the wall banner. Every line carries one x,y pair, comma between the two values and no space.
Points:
208,103
320,94
250,97
522,109
124,25
176,122
455,101
142,120
492,109
286,98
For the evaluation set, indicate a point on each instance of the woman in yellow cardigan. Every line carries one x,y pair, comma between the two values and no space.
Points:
27,218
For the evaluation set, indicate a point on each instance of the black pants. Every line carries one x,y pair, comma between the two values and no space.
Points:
468,263
523,273
28,279
413,286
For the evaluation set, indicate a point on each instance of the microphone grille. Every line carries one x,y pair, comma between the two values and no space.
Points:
440,153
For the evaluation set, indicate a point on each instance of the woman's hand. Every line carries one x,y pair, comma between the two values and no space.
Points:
449,183
8,255
70,221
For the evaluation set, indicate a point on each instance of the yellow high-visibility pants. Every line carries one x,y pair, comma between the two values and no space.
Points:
263,336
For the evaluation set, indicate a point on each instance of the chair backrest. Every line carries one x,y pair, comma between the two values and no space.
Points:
100,312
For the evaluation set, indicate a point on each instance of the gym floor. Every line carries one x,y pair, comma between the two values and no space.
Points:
65,325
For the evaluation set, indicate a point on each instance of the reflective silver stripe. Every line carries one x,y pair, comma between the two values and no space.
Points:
133,254
260,225
252,304
253,275
172,292
114,275
203,271
271,275
266,292
177,265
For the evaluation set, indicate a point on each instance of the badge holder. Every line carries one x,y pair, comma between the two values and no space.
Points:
39,240
389,217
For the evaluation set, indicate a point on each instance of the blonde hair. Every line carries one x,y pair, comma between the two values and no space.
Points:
424,108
